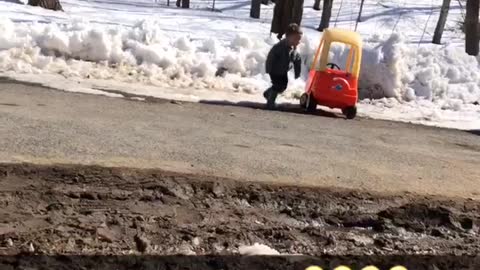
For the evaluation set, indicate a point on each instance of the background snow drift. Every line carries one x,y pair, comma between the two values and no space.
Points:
146,48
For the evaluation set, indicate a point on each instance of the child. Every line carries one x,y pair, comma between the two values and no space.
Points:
279,62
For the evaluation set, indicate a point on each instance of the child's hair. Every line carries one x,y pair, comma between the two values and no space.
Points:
292,29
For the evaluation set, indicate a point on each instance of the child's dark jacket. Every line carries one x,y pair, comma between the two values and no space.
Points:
279,59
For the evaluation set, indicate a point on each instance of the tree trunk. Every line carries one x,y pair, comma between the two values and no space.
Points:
471,28
255,9
183,3
326,14
297,12
316,5
47,4
285,13
278,18
437,36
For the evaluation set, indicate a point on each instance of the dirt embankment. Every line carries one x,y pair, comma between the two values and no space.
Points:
81,210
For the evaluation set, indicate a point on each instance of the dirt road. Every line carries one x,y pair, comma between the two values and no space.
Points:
45,126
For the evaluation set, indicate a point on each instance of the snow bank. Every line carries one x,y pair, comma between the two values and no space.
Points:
257,249
443,78
390,68
393,69
142,53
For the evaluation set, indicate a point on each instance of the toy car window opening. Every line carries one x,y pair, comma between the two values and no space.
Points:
344,60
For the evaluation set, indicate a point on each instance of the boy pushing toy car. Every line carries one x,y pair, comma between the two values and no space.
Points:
280,60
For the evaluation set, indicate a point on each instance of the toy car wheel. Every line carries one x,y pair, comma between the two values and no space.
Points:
303,100
311,105
350,112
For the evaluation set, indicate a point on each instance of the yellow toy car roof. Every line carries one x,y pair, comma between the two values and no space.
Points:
343,36
350,38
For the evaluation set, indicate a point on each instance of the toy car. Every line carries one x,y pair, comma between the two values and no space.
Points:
328,85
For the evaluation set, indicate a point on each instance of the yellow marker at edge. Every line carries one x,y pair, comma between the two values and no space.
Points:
370,267
342,267
314,268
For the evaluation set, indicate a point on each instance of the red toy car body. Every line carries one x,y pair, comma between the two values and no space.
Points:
328,85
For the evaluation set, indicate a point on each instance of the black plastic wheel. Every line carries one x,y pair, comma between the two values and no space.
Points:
311,105
303,100
350,112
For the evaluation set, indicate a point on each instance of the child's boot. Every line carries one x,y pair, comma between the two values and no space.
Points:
266,93
271,97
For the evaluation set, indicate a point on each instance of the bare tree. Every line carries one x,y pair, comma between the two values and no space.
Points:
255,8
359,19
437,36
326,15
183,3
316,5
472,38
297,12
47,4
285,13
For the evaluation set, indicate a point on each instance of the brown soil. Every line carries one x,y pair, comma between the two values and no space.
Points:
88,210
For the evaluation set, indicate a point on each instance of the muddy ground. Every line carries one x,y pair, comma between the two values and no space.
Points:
89,210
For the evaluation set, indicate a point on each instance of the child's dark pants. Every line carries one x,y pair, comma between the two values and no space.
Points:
279,84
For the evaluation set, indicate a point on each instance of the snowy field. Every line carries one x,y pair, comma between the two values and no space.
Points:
143,47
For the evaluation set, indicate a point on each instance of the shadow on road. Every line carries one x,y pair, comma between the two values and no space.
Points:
12,1
474,132
283,107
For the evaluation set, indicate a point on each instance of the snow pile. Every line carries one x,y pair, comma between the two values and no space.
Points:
257,249
9,38
144,53
437,80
